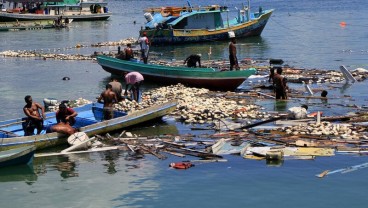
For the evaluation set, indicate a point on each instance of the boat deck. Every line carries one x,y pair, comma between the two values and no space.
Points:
87,115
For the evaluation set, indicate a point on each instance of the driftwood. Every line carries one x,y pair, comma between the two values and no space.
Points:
174,153
342,118
262,122
192,152
152,152
77,152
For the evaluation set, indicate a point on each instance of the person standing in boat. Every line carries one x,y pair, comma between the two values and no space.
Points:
232,55
128,52
133,81
34,118
144,44
109,98
192,60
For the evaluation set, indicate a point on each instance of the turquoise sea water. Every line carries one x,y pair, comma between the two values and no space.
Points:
304,33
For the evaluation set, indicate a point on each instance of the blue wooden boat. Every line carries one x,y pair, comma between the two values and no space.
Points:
88,121
210,78
174,25
17,156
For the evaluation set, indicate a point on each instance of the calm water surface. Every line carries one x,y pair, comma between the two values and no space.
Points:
304,33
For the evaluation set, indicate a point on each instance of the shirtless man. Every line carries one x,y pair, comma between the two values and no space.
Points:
192,60
117,88
279,84
109,98
34,118
128,52
232,55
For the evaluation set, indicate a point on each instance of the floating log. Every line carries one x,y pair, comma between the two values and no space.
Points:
158,155
195,153
262,122
174,153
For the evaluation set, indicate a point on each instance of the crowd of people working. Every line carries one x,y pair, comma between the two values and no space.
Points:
66,116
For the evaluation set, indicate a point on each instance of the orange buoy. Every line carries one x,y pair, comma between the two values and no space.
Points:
181,165
342,24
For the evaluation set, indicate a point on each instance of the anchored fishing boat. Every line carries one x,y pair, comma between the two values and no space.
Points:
88,121
210,78
31,25
198,24
78,10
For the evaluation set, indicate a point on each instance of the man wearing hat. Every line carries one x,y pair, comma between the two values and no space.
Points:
144,43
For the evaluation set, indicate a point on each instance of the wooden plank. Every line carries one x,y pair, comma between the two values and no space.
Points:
77,152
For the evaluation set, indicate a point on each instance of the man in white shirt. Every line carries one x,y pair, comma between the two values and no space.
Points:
298,112
144,43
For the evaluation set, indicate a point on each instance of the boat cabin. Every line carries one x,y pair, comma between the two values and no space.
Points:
55,7
185,17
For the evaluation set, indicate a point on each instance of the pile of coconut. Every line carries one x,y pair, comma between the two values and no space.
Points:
343,131
194,106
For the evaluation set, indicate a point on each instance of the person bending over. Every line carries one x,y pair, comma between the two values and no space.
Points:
192,60
133,81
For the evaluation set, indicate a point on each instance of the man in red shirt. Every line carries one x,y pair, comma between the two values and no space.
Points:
65,118
66,115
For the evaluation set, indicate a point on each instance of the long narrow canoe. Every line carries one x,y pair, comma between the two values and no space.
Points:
17,156
12,133
30,25
210,78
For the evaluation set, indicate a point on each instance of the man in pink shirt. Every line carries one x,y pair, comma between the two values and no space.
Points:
133,80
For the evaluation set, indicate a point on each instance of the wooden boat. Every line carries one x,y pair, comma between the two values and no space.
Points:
77,10
17,156
31,25
87,121
210,78
198,24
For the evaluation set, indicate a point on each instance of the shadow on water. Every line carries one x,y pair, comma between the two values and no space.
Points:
66,165
345,87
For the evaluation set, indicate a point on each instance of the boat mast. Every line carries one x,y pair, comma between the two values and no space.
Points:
248,11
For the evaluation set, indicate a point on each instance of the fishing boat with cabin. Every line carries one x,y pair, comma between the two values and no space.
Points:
189,24
78,10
